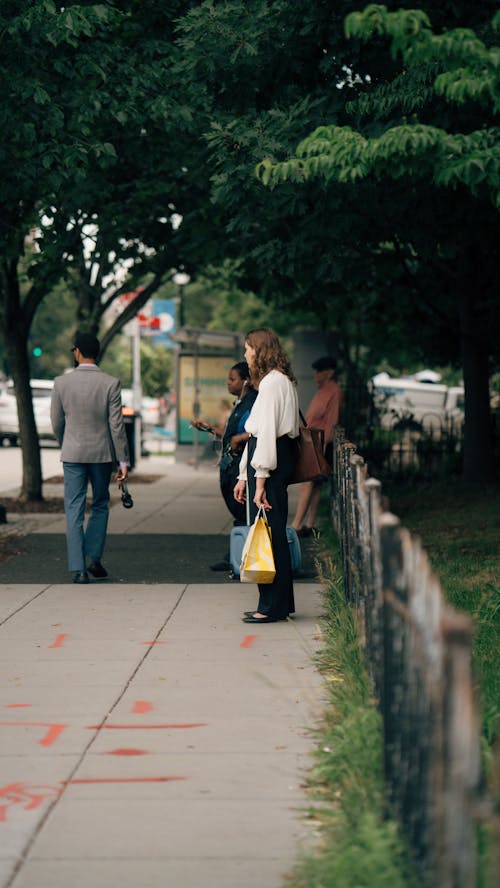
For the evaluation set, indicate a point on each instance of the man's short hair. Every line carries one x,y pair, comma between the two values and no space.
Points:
88,344
324,363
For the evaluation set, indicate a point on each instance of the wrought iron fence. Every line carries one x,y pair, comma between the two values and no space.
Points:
397,444
409,449
419,655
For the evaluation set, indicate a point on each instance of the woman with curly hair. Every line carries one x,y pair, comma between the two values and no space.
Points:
268,460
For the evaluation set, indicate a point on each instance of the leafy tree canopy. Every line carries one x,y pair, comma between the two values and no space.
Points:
452,177
88,88
345,247
418,150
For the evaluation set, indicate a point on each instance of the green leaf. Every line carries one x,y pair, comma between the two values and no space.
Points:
40,96
108,149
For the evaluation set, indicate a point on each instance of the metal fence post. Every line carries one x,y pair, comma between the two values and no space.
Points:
338,439
347,520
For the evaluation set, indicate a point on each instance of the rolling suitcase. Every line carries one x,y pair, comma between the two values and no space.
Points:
237,541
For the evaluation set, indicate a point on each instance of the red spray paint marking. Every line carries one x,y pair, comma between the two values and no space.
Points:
123,780
142,727
30,797
51,735
248,641
59,640
126,752
17,705
141,706
155,642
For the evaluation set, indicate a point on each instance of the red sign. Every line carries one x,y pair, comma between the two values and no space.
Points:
150,323
129,297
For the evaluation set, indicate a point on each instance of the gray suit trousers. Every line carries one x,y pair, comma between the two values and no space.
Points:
88,543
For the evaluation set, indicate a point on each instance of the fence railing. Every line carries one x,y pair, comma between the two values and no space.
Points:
403,442
407,450
419,655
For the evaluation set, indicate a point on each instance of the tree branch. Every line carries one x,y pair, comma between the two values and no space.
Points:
130,310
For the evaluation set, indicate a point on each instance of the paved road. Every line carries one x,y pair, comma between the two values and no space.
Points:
11,466
148,737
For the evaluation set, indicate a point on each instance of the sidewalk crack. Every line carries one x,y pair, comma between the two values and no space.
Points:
29,844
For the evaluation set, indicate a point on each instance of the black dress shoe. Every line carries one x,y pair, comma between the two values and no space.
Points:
97,570
252,619
221,565
81,576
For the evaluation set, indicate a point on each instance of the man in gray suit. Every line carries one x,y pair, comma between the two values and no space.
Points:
87,420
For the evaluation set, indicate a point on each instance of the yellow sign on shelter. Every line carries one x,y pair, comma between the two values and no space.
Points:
203,394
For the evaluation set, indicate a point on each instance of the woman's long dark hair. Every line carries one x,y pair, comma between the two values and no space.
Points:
269,354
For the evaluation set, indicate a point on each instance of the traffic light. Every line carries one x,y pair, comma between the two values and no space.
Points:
37,351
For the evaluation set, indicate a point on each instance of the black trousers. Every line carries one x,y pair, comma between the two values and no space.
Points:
276,599
228,478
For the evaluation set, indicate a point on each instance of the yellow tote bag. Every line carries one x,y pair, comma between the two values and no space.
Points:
257,559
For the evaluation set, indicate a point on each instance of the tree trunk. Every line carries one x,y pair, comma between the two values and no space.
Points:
479,456
88,298
16,331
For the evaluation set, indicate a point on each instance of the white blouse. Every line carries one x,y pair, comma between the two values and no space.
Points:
275,413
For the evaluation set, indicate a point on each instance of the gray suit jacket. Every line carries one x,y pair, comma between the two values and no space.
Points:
87,418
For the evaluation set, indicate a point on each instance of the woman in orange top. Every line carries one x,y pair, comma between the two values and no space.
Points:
323,413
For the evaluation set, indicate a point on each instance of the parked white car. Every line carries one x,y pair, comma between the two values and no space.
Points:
9,424
150,408
431,404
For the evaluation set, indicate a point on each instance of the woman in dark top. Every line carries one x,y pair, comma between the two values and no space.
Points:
235,437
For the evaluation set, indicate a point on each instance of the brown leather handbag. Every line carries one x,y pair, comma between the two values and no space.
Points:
310,462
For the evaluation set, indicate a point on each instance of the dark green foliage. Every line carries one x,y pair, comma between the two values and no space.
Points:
133,114
427,139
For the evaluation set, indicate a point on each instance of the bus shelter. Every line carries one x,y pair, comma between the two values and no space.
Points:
204,358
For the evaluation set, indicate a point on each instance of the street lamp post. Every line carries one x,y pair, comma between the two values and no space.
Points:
136,387
181,279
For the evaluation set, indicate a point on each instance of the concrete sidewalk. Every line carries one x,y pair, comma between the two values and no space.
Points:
148,737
